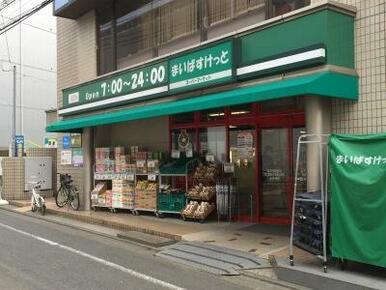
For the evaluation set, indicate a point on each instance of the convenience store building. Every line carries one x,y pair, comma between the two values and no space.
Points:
239,80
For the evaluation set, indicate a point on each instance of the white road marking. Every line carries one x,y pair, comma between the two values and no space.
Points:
96,259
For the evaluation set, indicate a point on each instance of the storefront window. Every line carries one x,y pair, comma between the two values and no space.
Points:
241,110
212,115
185,118
213,141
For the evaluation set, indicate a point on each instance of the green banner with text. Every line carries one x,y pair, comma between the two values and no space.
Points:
201,68
132,84
358,198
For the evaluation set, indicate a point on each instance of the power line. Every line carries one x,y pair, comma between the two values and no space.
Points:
29,66
16,20
6,3
6,40
28,24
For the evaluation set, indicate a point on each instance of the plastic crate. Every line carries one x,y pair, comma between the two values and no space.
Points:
171,202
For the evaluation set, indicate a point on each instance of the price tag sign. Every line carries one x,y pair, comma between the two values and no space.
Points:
152,177
189,153
150,163
229,168
141,163
209,158
175,154
130,177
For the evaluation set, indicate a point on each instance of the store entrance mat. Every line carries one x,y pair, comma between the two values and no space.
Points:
146,239
213,259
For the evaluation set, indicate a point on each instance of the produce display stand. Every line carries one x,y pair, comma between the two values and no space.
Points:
202,194
146,191
129,177
174,184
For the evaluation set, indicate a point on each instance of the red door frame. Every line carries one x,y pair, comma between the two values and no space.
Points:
284,119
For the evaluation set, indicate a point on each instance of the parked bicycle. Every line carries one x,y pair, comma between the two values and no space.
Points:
37,201
67,194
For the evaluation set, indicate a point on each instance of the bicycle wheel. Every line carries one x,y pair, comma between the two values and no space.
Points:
74,197
61,197
42,207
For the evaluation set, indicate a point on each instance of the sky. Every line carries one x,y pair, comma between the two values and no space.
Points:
36,78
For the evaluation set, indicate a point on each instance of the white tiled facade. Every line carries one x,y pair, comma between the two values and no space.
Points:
368,115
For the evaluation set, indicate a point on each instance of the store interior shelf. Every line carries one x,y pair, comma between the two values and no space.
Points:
114,176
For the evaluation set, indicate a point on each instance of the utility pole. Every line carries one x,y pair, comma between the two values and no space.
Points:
14,114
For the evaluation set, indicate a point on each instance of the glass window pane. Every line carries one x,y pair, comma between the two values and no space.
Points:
280,7
274,172
106,62
213,141
184,118
177,19
212,115
219,10
241,110
243,6
242,149
134,27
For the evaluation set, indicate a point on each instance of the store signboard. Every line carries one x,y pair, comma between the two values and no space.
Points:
66,157
122,87
77,157
245,145
76,140
50,142
229,167
152,177
201,68
176,154
209,158
66,142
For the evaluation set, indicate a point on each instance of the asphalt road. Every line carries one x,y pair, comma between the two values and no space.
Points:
36,254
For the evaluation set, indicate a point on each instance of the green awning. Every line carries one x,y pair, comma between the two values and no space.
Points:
327,84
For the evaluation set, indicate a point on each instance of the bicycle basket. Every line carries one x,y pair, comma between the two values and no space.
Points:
65,178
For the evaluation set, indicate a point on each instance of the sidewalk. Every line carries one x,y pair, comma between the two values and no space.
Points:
266,241
238,236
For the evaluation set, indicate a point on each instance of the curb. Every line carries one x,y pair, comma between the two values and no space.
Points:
18,203
277,282
117,238
113,225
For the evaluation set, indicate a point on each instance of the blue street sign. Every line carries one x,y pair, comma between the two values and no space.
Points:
66,142
19,146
